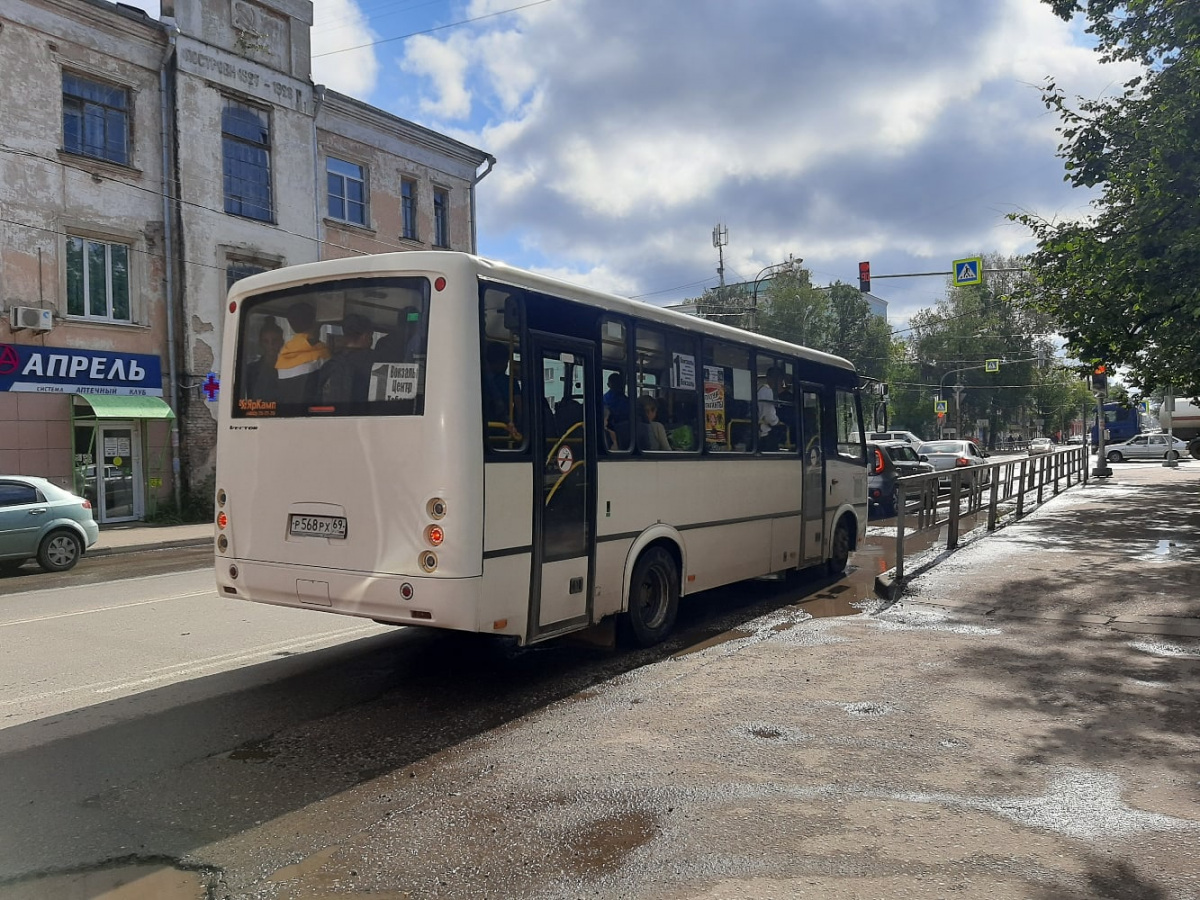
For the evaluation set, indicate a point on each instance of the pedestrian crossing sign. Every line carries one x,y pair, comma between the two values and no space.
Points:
968,271
991,365
939,406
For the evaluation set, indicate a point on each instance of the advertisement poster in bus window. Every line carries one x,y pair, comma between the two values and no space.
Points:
714,406
683,371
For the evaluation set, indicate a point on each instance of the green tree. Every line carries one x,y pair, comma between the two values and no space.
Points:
1122,282
856,333
792,309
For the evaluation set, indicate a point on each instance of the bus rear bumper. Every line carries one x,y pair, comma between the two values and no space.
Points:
402,600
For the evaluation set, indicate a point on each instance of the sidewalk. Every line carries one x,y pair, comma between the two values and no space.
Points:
140,536
1005,731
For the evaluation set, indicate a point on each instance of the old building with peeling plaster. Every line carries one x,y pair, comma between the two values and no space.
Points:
146,165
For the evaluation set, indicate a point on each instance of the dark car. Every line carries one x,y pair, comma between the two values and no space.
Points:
886,462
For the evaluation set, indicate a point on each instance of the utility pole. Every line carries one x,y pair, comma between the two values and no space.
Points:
720,239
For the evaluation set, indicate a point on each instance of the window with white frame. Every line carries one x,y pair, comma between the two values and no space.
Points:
347,186
408,209
97,280
441,218
246,153
95,119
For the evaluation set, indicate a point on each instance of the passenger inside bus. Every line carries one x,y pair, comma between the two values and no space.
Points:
651,433
347,376
301,357
407,342
501,390
616,411
262,381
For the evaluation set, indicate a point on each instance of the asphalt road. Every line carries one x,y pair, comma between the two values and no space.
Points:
121,691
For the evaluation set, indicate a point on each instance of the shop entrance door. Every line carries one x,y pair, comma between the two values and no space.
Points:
118,472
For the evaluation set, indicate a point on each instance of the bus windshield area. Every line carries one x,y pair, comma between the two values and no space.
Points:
355,347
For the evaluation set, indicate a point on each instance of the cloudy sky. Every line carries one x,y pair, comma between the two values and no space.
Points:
836,130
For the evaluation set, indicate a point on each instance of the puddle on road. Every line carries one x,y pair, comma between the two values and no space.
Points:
724,637
601,846
126,882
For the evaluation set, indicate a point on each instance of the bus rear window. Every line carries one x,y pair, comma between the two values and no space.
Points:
355,347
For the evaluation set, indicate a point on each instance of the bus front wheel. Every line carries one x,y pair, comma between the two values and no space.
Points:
653,598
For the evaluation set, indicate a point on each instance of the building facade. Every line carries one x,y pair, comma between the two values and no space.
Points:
146,165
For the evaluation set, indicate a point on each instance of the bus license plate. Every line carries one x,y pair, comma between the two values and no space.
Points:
317,526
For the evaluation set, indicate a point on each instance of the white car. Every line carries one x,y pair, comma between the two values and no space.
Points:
1040,445
1146,446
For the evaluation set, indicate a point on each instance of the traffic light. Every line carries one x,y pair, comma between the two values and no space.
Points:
864,277
1100,379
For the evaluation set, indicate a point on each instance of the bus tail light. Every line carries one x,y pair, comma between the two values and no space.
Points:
436,508
428,560
222,543
406,591
221,498
434,535
222,520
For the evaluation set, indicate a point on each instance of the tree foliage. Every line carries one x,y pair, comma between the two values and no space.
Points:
1123,282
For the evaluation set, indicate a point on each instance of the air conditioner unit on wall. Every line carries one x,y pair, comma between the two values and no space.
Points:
31,317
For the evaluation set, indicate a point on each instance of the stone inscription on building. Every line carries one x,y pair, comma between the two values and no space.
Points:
248,79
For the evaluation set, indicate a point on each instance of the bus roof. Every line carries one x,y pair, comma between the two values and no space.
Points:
440,260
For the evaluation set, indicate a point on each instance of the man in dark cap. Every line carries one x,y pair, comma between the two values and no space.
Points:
347,377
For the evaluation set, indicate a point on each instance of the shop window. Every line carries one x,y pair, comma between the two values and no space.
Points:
246,152
95,119
97,280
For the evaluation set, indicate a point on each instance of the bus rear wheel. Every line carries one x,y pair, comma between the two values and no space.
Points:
839,550
653,598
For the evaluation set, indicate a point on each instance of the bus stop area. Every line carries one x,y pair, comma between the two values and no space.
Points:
1023,723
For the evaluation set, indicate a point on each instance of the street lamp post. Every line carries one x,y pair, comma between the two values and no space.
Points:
789,265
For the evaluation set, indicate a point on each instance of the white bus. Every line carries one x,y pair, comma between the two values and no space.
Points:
451,442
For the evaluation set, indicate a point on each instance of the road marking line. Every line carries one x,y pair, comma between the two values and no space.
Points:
99,609
182,670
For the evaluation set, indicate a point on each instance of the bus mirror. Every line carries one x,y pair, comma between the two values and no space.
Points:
512,314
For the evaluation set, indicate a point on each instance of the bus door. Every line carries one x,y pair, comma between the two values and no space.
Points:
564,485
812,455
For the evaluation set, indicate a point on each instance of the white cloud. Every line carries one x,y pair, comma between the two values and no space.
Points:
339,24
445,66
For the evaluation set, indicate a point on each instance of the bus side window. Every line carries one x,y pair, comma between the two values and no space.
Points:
616,411
504,408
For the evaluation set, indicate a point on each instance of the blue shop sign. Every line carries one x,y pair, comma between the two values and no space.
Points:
64,370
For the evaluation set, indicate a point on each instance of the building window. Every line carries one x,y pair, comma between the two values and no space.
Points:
408,208
441,218
246,147
95,119
237,269
347,191
97,280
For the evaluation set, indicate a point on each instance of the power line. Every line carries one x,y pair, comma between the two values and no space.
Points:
401,37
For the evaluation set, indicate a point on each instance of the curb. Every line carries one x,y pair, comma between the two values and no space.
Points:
178,544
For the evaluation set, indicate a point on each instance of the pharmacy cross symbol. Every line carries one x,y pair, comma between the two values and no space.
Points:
211,386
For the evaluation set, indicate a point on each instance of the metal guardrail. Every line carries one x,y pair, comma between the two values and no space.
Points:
1013,488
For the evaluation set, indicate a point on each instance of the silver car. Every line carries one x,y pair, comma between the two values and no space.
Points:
946,456
1147,446
39,520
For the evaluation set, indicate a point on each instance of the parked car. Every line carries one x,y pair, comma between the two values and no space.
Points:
1040,445
39,520
886,462
1075,439
946,456
1147,446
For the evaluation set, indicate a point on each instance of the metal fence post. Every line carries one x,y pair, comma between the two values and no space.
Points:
952,522
1021,490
